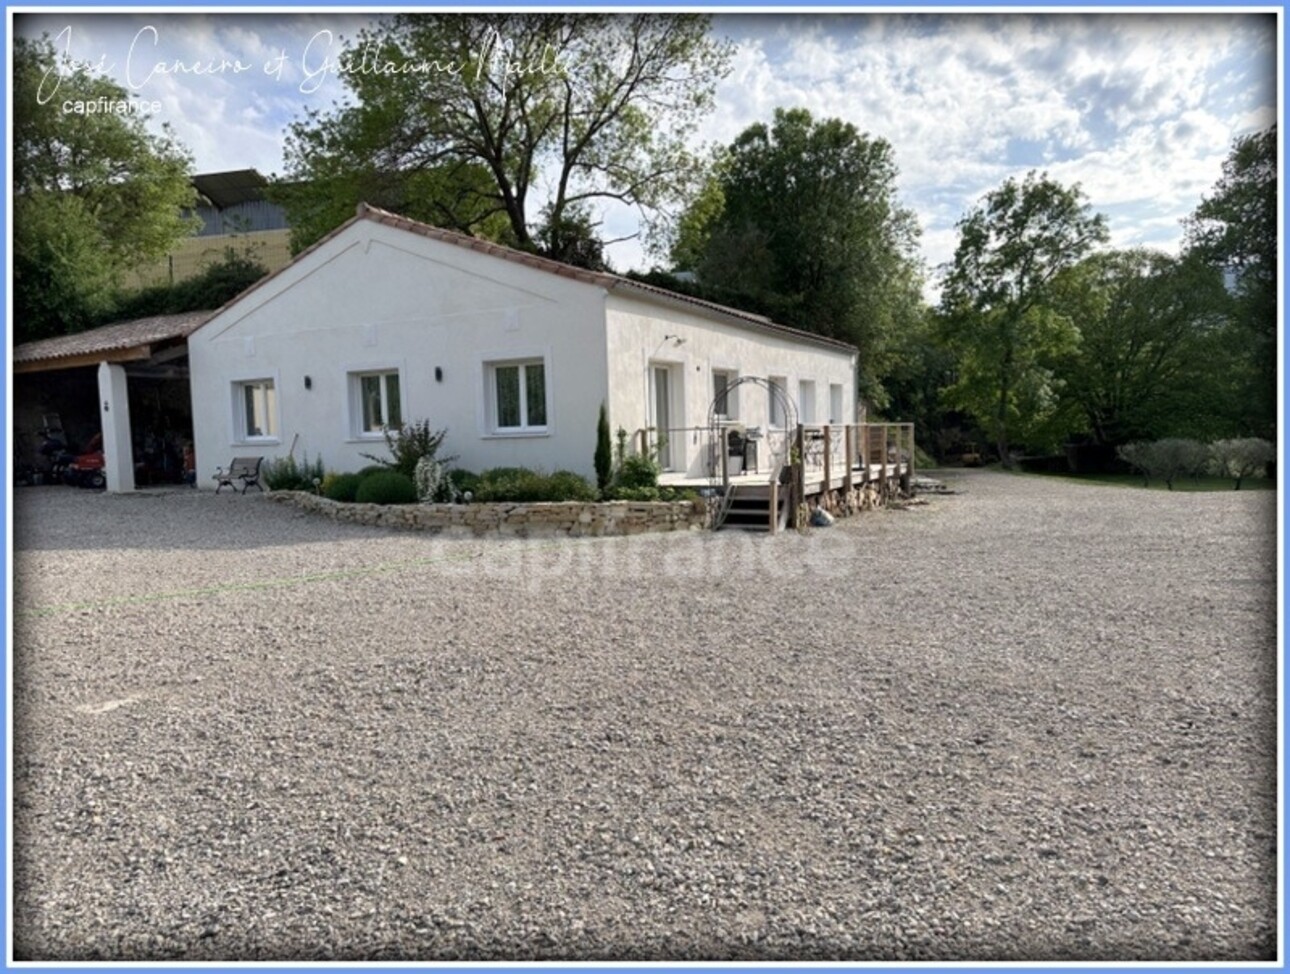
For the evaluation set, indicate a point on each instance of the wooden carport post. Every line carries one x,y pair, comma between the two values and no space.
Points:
848,479
884,459
799,470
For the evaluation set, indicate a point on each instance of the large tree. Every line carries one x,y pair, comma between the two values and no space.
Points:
1235,229
800,219
528,117
94,194
997,308
1144,366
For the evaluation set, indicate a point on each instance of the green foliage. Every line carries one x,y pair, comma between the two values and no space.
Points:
637,471
504,473
693,230
408,444
997,314
93,195
1235,231
215,286
800,221
1242,457
604,458
286,473
621,493
610,117
1143,367
463,481
520,485
640,494
342,487
1167,459
387,487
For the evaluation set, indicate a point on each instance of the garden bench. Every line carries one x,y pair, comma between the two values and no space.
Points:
245,469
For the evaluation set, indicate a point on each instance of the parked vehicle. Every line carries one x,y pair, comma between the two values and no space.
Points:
54,455
86,470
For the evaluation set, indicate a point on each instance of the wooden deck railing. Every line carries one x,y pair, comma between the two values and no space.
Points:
869,450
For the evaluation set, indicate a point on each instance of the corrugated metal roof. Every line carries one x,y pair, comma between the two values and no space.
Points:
225,189
112,338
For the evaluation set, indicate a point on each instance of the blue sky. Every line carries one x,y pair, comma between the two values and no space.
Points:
1140,109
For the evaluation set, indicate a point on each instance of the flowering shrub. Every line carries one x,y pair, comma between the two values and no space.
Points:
434,486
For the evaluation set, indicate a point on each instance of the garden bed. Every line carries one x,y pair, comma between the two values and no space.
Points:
571,518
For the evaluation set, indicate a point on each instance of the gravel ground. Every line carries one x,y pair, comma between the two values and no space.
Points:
1031,720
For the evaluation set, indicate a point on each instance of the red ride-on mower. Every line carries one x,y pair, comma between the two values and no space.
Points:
86,470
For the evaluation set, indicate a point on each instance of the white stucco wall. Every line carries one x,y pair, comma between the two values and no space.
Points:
376,297
638,335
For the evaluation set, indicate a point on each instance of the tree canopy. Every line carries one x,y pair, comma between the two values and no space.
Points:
1235,229
800,219
1143,365
516,124
996,303
94,194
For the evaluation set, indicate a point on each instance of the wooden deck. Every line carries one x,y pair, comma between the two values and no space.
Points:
803,465
753,484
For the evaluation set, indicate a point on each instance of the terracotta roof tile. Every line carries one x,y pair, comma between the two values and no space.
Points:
610,282
114,337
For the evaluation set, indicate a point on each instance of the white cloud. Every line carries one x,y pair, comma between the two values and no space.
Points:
1139,109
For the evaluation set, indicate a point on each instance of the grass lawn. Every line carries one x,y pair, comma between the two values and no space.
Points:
1181,484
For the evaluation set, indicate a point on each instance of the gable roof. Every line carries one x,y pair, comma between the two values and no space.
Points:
119,342
602,279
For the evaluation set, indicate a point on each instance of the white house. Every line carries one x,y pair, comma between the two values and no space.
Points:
387,320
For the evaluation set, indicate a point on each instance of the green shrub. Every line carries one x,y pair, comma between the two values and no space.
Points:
518,485
504,473
287,473
464,480
371,469
434,486
632,494
342,487
650,494
678,494
408,444
604,456
1242,458
637,470
388,487
570,486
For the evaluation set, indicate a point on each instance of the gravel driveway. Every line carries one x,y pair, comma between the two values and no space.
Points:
1032,720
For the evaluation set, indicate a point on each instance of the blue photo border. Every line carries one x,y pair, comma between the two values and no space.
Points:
715,6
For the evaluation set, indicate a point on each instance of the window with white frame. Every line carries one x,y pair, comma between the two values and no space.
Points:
376,402
726,399
806,401
255,406
517,396
835,403
780,392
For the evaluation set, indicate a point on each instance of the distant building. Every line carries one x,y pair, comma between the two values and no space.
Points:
234,213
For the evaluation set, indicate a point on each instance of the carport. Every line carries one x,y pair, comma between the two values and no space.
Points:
95,372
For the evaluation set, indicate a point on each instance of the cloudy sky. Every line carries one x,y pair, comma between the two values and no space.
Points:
1139,109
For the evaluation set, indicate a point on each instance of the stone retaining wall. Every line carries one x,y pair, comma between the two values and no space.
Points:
573,518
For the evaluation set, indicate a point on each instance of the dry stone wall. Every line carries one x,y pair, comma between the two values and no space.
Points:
572,518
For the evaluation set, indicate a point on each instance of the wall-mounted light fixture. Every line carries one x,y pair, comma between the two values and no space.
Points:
309,382
438,374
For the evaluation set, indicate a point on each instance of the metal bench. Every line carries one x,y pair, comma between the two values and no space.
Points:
245,469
